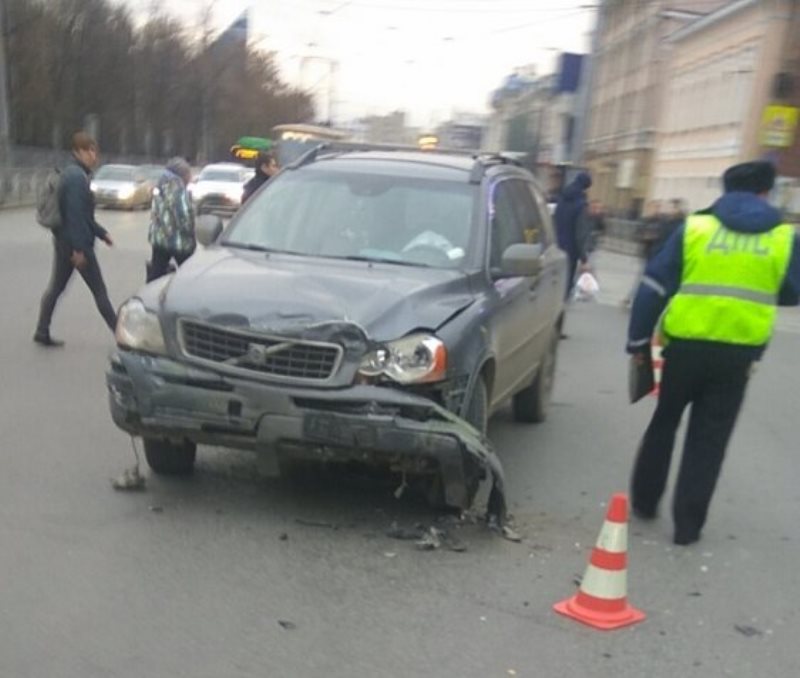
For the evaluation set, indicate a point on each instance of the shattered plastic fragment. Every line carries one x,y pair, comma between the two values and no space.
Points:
289,626
510,534
401,488
402,533
430,541
748,631
130,479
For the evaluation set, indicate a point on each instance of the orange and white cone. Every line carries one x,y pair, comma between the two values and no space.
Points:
601,601
658,364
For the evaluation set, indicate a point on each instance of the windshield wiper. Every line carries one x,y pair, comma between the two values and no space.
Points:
381,260
253,247
245,246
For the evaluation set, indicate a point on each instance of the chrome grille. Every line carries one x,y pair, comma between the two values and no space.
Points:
243,350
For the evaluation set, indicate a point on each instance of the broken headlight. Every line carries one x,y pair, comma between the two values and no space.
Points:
415,359
139,329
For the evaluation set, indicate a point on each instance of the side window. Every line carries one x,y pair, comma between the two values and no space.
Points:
527,213
548,234
506,226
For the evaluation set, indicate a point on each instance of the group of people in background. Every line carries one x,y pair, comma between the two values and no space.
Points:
171,233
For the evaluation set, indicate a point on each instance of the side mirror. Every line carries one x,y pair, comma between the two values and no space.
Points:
207,229
521,260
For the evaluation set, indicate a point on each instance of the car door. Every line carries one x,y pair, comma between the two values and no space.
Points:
554,262
544,288
514,299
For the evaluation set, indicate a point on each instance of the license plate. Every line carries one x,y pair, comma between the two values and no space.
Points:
325,428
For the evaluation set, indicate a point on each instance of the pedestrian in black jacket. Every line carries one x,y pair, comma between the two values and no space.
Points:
73,241
266,168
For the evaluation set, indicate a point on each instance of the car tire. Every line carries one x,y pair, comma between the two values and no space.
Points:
531,404
171,459
477,410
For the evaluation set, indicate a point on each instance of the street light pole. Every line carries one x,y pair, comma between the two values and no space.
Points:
5,124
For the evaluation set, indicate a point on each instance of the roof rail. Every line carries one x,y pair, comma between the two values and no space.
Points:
485,160
351,146
309,156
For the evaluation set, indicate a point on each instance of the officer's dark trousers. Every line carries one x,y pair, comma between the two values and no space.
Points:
713,381
60,276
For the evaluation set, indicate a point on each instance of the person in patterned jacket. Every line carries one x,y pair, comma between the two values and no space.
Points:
171,232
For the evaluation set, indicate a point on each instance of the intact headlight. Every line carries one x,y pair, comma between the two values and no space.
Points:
415,359
139,329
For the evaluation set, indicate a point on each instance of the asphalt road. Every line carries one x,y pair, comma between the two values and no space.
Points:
193,578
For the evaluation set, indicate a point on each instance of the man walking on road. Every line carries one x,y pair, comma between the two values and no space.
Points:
574,225
73,241
720,277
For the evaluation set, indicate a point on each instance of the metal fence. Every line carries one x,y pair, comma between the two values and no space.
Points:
622,235
28,167
18,185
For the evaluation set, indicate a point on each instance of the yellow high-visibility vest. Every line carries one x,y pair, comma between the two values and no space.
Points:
729,284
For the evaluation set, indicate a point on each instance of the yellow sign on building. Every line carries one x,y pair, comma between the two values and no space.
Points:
778,125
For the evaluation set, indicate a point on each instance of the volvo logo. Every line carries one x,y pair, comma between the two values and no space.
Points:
258,354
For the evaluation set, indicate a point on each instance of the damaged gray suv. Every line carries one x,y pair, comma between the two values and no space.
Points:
369,306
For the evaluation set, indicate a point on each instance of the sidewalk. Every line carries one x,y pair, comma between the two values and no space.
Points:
616,273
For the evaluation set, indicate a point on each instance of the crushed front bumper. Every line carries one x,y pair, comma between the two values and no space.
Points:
161,398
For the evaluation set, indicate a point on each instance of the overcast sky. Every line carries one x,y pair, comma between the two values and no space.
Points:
429,57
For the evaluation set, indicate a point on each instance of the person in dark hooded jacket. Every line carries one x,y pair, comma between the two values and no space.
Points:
266,168
574,225
720,277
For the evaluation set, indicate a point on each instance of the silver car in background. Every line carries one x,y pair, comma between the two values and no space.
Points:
123,186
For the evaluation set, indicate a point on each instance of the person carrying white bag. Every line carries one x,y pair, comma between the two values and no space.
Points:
586,287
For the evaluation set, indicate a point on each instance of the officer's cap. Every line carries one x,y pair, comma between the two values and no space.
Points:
750,177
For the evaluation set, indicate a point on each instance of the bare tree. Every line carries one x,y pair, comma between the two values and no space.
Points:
152,90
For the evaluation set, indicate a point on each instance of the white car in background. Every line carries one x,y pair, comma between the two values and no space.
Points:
218,188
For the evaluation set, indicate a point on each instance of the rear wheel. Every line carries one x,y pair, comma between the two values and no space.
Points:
531,404
167,458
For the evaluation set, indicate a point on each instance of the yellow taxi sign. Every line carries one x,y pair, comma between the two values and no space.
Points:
242,153
778,125
428,141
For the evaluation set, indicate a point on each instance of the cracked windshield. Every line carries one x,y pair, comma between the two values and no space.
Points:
399,338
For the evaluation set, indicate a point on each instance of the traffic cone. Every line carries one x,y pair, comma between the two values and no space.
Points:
601,601
658,364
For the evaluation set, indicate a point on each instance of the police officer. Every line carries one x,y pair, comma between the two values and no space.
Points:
720,277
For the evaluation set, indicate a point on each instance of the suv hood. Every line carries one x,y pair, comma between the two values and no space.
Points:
282,292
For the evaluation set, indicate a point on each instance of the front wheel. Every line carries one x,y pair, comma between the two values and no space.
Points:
531,404
167,458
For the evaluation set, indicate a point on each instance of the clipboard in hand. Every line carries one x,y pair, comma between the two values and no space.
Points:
640,376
